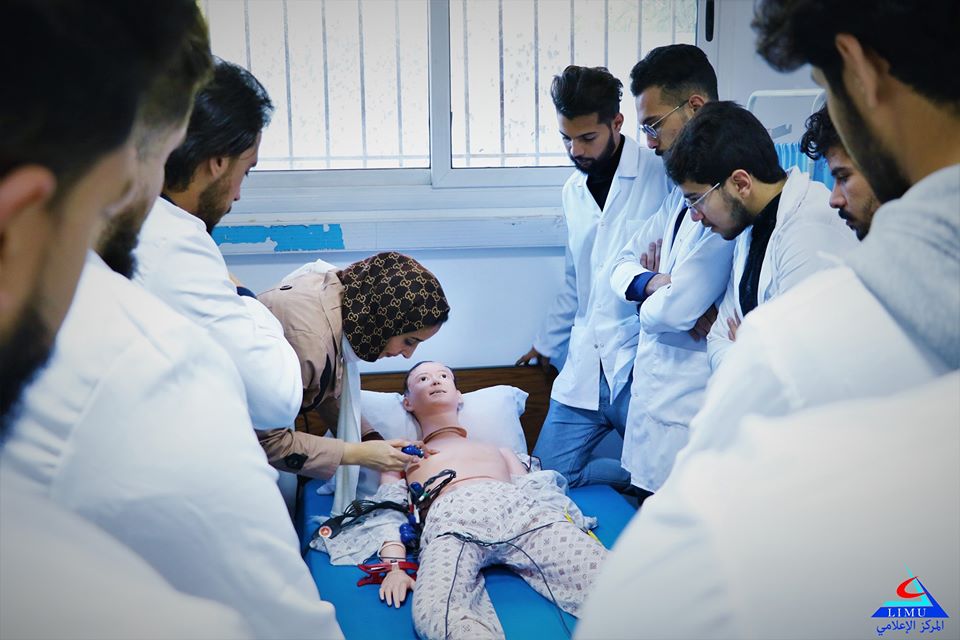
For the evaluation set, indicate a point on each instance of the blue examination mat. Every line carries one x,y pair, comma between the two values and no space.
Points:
523,612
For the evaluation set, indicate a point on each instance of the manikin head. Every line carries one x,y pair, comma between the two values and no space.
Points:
669,86
205,173
587,100
430,393
851,196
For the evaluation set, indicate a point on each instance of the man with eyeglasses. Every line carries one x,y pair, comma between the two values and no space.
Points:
616,187
785,230
674,270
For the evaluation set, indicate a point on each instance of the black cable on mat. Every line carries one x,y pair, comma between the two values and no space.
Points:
464,539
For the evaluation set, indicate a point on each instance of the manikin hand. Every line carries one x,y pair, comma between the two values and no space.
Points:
651,259
732,325
381,455
394,588
524,360
703,324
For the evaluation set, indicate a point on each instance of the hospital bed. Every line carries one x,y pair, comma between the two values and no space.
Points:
523,612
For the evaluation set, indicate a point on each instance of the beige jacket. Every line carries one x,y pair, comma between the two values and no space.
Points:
308,308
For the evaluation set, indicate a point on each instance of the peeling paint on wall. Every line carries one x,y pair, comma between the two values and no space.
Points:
282,238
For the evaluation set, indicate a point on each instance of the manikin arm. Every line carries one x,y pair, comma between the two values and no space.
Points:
396,584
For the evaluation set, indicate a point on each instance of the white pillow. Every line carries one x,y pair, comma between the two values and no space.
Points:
490,415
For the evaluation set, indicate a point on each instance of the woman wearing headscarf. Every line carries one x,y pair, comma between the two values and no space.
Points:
383,306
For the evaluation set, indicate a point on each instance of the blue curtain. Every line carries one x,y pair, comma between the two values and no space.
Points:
790,156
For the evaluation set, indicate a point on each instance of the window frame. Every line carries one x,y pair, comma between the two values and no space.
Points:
421,196
443,174
413,183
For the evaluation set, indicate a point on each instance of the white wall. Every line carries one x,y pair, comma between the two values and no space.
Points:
497,299
741,71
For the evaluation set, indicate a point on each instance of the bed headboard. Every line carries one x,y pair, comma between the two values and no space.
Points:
531,379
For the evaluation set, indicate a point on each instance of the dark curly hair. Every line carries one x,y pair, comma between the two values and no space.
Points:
720,139
228,114
580,91
820,136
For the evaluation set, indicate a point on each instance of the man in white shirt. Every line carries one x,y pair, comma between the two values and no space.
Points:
617,186
178,261
727,167
676,292
852,196
141,427
804,530
139,424
876,325
64,577
78,71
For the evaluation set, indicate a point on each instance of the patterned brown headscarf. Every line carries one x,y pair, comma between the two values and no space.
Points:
387,295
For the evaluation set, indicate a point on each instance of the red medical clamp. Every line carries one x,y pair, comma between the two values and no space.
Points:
377,571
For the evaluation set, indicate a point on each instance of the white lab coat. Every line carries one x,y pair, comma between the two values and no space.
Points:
63,577
828,339
671,368
179,262
802,530
139,424
809,236
602,329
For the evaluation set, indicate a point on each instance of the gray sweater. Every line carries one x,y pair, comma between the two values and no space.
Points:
911,262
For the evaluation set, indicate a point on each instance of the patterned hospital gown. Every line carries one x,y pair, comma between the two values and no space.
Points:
526,522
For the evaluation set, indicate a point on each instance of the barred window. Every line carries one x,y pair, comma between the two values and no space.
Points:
351,79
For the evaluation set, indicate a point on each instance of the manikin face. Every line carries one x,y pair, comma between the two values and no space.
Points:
42,251
217,198
717,210
118,240
590,143
852,196
431,387
406,343
663,116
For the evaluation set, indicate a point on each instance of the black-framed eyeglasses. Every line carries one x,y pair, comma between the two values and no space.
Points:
652,130
695,204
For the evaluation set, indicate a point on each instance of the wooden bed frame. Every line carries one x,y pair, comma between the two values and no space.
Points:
533,380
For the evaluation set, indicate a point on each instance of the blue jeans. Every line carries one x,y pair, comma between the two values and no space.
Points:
570,435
